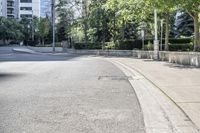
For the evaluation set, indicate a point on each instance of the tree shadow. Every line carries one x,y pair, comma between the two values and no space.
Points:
4,76
21,57
179,66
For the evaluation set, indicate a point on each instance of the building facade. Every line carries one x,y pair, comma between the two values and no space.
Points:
28,8
8,8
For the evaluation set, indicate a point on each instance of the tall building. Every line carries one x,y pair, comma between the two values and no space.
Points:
2,8
28,8
8,8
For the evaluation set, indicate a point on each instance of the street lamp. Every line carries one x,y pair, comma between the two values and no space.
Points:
156,42
143,33
161,37
32,25
53,24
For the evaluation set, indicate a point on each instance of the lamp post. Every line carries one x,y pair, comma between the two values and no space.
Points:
143,34
161,37
156,42
32,26
53,24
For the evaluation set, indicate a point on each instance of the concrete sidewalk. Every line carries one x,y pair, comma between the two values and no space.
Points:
180,83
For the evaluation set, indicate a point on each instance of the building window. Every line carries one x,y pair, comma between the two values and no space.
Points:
26,16
26,8
26,1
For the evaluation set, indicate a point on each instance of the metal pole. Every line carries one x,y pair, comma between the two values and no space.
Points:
53,24
142,39
32,27
161,34
156,42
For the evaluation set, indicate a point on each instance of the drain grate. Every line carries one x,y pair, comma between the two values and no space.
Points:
118,78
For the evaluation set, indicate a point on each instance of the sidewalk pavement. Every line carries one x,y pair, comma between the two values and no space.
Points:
180,83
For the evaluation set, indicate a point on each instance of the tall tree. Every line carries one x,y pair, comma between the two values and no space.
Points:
192,7
43,28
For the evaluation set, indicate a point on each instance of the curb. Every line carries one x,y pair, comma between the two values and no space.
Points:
161,115
21,50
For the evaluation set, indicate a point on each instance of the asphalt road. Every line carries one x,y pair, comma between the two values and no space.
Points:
65,94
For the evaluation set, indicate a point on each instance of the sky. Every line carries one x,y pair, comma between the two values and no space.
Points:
45,7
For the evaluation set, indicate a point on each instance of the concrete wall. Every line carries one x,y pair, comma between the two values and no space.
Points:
102,52
184,58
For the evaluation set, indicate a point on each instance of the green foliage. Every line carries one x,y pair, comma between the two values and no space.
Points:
10,29
149,46
43,28
180,41
89,45
109,45
184,25
180,47
124,45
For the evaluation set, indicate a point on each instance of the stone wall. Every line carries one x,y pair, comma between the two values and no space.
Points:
183,58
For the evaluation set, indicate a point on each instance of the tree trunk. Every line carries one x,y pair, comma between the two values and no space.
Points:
43,41
196,31
167,31
85,32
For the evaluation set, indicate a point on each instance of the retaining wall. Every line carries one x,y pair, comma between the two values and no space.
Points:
184,58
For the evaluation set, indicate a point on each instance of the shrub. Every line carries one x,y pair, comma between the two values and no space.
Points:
149,46
89,45
127,45
180,41
79,45
109,45
180,47
124,45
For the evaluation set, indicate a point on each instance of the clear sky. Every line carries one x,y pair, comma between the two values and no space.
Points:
45,7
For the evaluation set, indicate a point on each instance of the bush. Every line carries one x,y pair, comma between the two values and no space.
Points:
149,46
14,42
128,45
79,45
109,45
180,47
180,41
124,45
89,45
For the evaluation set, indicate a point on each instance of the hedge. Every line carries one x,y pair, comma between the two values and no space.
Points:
89,45
183,44
180,47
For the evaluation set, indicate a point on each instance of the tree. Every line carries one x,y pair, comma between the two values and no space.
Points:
184,25
66,11
10,29
43,28
165,8
98,20
192,7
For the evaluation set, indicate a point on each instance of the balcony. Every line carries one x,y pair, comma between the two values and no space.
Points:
10,5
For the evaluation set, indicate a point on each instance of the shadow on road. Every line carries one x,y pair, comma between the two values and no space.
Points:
178,66
172,65
4,76
14,57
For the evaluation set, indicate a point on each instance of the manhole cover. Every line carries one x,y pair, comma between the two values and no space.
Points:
115,78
